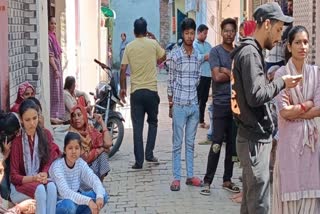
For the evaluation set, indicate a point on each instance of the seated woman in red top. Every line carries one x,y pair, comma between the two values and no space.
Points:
25,91
32,153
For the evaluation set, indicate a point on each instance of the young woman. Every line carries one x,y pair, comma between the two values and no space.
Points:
296,181
94,144
68,172
25,91
9,127
32,153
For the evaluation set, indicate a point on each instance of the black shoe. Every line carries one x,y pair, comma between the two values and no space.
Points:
136,166
153,160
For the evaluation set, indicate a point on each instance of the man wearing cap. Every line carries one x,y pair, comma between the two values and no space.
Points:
250,96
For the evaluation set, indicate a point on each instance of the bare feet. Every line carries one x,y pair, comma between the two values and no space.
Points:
237,198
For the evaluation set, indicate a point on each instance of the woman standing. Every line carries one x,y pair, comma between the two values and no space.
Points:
94,144
296,186
32,153
68,173
56,76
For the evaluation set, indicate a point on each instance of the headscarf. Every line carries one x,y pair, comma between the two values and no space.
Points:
22,89
310,129
90,137
55,44
249,27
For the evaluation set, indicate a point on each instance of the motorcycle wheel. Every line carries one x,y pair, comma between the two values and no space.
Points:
116,129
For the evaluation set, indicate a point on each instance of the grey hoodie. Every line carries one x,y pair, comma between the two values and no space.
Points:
253,92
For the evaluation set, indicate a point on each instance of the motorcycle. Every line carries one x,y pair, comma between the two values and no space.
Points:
106,98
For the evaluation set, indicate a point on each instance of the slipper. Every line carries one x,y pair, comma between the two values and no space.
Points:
231,187
194,181
175,185
204,125
206,190
237,195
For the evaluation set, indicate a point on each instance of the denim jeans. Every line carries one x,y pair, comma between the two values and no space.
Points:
45,196
184,121
66,206
144,101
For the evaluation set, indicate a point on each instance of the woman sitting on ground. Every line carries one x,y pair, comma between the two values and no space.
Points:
32,153
95,145
72,97
68,173
9,127
25,91
27,207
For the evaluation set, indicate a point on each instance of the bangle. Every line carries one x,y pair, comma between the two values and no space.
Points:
302,107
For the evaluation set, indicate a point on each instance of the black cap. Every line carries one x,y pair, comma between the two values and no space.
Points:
271,10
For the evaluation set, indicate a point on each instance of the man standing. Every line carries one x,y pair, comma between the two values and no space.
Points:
142,55
220,63
252,92
184,75
203,48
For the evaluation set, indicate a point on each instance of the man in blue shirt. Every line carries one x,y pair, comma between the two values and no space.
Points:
203,49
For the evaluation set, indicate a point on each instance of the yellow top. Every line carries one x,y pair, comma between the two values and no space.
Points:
141,55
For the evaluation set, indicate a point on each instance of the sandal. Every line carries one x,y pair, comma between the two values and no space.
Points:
194,181
175,185
228,185
206,190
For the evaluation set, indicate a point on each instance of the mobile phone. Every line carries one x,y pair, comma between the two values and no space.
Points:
296,77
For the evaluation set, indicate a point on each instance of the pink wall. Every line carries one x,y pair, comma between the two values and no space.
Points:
4,70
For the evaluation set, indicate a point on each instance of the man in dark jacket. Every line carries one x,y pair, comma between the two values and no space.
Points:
250,96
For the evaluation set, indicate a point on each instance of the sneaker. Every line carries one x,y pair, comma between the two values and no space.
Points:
153,160
194,181
136,166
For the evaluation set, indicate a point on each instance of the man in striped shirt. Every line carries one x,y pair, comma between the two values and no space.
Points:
184,76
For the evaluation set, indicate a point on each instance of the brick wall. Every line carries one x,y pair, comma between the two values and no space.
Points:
23,44
164,22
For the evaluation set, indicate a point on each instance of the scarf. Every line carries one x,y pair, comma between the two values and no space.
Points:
90,138
310,78
56,47
31,166
22,89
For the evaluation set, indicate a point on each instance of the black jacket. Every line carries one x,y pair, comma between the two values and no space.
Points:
253,91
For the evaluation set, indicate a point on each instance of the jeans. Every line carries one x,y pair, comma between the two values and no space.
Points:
66,206
203,93
222,125
254,158
210,130
184,121
45,196
144,101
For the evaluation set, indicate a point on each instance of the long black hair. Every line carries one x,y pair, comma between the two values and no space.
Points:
68,138
9,126
43,144
291,35
69,82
